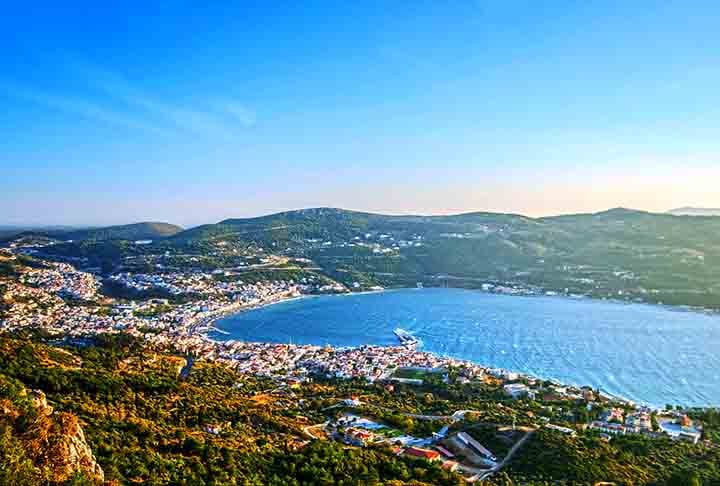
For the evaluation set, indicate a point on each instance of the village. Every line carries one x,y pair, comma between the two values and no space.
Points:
69,303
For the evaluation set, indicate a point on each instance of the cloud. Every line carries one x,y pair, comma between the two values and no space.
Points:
85,109
238,111
188,119
133,108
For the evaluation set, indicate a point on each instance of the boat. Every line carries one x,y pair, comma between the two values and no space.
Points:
406,338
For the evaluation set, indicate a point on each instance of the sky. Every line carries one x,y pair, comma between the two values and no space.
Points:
193,112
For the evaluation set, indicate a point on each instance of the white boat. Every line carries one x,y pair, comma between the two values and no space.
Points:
405,337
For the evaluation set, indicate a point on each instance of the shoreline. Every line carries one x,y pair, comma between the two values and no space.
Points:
219,340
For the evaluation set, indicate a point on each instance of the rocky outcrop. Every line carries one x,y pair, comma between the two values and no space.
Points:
54,442
71,451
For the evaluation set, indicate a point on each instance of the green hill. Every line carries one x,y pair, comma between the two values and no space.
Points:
135,231
616,253
619,253
338,224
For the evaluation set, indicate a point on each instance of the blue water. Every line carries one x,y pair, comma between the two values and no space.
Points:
646,353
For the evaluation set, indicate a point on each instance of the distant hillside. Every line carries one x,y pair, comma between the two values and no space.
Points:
688,211
619,252
11,231
333,223
136,231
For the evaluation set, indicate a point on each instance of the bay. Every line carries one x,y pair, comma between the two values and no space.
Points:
649,354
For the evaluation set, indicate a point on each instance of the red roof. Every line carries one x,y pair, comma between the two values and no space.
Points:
423,453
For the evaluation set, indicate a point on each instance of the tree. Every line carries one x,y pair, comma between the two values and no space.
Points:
685,478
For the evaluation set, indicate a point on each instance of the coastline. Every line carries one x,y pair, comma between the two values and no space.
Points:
206,324
220,340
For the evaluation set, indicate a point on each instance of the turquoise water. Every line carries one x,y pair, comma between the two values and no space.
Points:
650,354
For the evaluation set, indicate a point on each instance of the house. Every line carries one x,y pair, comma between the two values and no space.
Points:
450,466
358,437
588,395
422,453
214,429
352,402
562,430
613,415
639,421
516,390
608,428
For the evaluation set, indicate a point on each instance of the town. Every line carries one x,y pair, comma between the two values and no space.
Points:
177,309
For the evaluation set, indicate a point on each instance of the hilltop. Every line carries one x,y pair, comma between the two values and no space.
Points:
136,231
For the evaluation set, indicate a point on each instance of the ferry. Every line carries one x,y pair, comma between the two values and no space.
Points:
406,338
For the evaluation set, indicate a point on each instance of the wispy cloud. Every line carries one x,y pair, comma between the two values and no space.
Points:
122,103
85,109
240,112
197,120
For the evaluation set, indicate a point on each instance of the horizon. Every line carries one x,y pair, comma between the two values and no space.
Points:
234,110
381,213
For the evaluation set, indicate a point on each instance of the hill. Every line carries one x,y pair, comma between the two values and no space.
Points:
616,253
689,211
135,231
338,224
619,253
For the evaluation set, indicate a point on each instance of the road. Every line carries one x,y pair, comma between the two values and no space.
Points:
508,457
307,430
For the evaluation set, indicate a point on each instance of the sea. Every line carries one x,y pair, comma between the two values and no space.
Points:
650,354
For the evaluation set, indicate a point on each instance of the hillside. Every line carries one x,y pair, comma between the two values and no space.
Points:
145,423
619,252
39,445
339,224
135,231
127,232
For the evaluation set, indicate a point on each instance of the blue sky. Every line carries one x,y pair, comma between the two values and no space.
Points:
191,114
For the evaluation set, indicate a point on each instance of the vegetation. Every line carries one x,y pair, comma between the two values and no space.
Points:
619,253
147,424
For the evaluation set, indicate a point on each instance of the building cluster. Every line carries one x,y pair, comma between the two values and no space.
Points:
213,284
64,280
617,421
297,361
44,298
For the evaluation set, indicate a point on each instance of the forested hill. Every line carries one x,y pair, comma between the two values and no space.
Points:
616,253
339,224
134,231
619,253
